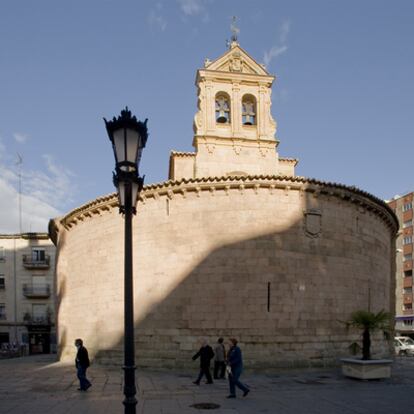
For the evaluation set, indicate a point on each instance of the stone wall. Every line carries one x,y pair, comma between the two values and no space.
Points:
275,262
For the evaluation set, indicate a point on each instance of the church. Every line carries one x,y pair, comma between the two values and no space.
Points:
233,244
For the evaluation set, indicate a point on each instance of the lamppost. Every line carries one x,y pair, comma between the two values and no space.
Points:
128,137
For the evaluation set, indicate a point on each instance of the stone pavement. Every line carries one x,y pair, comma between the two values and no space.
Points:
38,384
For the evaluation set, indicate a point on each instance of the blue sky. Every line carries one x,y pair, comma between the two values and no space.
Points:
343,98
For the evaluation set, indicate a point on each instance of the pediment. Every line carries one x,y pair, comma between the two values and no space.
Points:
236,60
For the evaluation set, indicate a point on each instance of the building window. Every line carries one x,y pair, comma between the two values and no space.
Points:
407,206
407,306
408,273
2,282
408,290
2,254
249,110
38,254
222,109
408,240
39,312
408,323
407,223
2,311
408,256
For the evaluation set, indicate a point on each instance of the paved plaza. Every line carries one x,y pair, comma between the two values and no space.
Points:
39,384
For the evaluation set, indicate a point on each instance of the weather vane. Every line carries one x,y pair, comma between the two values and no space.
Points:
234,29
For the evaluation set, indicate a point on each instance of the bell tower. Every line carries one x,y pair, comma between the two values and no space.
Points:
234,131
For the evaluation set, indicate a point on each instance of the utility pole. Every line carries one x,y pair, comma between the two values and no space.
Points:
19,164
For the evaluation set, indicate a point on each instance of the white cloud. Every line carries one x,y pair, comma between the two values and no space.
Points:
274,52
20,138
44,192
156,19
280,47
35,213
191,7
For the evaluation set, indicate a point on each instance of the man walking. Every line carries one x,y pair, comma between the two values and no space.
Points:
219,358
205,354
82,364
235,363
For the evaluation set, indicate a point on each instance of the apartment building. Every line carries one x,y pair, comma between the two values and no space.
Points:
27,312
403,208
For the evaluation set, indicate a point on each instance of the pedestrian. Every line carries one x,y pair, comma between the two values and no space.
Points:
219,359
82,364
205,354
235,368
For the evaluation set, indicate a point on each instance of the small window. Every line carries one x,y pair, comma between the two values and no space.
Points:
407,223
408,273
2,282
2,254
408,256
2,311
408,290
39,312
249,110
38,254
408,240
407,206
222,109
407,306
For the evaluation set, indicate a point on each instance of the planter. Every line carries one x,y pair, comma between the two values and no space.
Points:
366,369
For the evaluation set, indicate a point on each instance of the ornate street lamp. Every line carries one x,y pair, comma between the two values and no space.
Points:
128,137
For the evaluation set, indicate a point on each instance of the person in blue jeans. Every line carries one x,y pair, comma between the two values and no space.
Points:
82,364
235,363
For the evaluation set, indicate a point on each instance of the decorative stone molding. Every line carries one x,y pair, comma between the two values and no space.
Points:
364,201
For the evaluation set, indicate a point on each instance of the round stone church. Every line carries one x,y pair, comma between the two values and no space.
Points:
233,244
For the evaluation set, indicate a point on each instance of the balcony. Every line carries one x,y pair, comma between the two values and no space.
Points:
30,262
408,281
408,265
31,319
36,291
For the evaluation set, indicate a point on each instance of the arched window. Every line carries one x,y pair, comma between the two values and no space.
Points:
249,110
222,108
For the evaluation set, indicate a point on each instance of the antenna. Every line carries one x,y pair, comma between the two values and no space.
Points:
19,164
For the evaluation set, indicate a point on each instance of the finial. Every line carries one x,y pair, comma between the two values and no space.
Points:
234,29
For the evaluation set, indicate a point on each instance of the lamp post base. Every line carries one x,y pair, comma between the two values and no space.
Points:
130,390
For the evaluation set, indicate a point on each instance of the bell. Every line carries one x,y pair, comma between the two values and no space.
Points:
248,120
222,117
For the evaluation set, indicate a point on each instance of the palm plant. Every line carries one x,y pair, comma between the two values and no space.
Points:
369,322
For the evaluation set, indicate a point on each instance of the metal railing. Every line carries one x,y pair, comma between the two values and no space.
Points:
30,261
39,290
31,319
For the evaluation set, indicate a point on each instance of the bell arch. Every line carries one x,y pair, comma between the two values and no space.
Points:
249,110
222,107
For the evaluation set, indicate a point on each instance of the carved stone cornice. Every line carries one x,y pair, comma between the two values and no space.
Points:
212,185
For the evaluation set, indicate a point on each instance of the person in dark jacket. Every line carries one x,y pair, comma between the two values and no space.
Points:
82,364
235,365
205,354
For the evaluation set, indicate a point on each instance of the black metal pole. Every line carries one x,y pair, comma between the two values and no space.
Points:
129,352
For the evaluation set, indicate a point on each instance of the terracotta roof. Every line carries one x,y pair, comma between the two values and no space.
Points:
183,154
290,160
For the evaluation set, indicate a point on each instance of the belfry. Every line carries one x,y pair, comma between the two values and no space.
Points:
234,131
